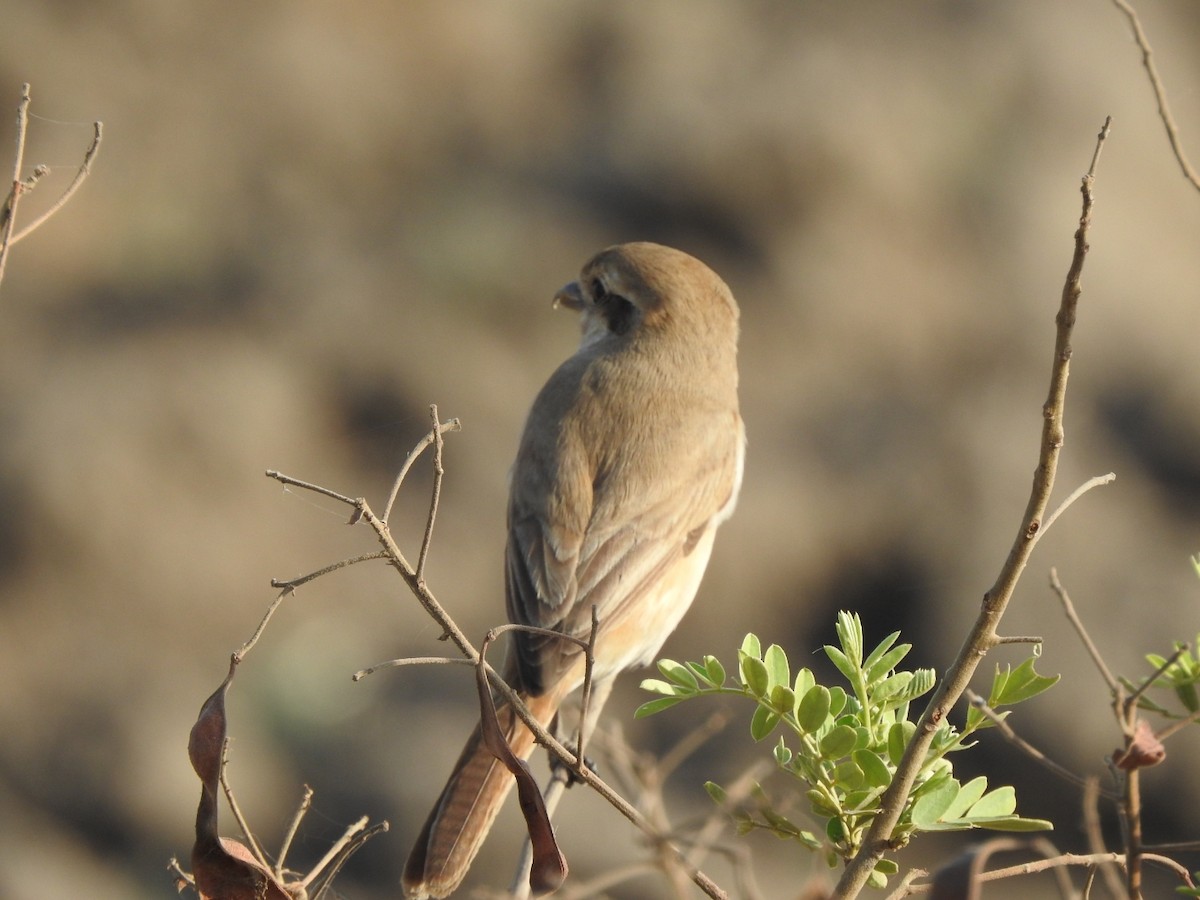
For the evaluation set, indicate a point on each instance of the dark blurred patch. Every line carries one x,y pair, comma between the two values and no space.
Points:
639,207
887,587
226,293
381,422
1154,435
16,514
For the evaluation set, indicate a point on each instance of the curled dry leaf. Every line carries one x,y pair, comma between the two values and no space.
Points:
1143,749
549,869
224,869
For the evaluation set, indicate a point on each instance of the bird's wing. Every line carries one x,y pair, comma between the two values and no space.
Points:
596,544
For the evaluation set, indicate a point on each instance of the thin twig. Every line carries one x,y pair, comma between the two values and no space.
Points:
1077,623
1024,746
290,584
1110,872
451,425
352,842
983,633
1148,682
412,661
435,494
84,170
585,697
262,625
1177,726
9,212
338,846
309,486
1160,92
1097,481
293,826
251,841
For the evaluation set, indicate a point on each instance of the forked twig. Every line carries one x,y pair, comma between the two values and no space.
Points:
451,425
362,512
84,170
8,212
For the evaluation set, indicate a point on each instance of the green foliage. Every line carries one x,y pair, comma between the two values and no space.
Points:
1179,673
841,745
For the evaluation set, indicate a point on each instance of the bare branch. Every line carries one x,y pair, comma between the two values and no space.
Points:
1025,747
1160,92
8,215
435,494
309,486
289,835
291,584
1095,482
1077,624
84,170
452,425
983,634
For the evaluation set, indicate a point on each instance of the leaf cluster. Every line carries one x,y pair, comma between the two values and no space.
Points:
840,745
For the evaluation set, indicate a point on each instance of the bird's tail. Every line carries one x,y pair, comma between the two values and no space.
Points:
468,805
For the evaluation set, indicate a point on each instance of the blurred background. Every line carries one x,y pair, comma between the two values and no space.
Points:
310,221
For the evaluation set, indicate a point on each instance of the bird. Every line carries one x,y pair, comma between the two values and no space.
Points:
630,458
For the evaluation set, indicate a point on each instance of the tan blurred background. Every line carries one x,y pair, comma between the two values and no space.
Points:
309,221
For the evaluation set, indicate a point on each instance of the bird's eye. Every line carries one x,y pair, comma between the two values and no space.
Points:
598,291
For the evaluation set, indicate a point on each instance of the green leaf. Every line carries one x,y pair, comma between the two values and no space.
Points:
1011,823
897,739
931,806
754,675
874,769
839,659
835,830
968,795
657,686
763,722
850,635
1000,802
821,803
837,700
886,662
838,742
880,649
716,671
848,777
813,710
783,754
1013,686
782,699
716,792
653,706
678,673
804,682
776,662
751,646
923,681
877,880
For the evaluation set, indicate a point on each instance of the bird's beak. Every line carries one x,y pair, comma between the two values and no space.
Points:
570,296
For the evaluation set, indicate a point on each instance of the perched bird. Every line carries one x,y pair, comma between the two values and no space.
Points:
630,458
